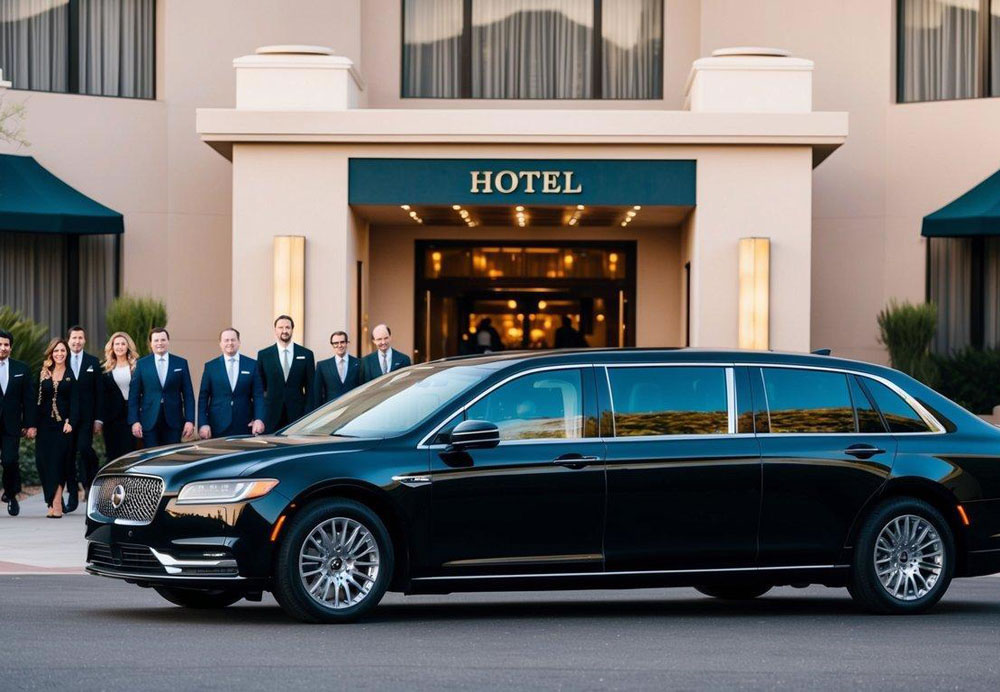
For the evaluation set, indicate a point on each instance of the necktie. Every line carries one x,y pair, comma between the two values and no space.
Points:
161,369
342,368
232,374
3,375
286,364
385,365
76,365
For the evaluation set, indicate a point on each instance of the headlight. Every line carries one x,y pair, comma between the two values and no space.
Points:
217,492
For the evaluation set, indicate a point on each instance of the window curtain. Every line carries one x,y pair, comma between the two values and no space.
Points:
33,276
939,49
991,301
34,43
632,38
97,277
951,264
532,49
116,47
432,48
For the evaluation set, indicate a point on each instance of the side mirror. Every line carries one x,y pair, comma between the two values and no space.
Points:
474,434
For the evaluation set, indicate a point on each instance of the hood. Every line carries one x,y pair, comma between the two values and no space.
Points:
233,456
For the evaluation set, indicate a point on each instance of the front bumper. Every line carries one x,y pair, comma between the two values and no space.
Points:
193,544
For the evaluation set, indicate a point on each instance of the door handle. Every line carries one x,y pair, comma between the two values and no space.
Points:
863,451
575,461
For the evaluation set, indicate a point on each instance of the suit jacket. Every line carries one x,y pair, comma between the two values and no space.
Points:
89,389
146,397
226,410
114,407
17,404
328,386
371,368
295,394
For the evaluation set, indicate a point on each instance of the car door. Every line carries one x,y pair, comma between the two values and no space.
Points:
683,468
535,502
825,453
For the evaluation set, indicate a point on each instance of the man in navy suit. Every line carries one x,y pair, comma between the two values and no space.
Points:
287,371
231,400
17,417
338,375
161,398
384,359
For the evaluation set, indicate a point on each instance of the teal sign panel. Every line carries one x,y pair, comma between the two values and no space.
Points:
595,182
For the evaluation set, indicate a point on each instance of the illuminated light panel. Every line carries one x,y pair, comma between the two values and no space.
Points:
754,292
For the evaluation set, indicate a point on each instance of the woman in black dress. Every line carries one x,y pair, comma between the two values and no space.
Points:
58,413
120,355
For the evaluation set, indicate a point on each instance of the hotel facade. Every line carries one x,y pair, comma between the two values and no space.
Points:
716,173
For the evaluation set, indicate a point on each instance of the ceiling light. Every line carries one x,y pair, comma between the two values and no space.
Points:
637,207
456,207
405,207
519,208
580,207
624,224
630,214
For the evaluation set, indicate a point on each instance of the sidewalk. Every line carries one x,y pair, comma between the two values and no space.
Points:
32,544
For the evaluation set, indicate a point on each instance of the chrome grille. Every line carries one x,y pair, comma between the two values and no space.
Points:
142,497
125,557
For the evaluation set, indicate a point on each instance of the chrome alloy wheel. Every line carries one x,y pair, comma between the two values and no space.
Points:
339,563
909,557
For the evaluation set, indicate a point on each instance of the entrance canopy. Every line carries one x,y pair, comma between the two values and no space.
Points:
32,200
976,213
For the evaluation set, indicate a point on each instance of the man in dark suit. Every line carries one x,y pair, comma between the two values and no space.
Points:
17,417
384,359
231,400
87,371
287,371
161,398
338,375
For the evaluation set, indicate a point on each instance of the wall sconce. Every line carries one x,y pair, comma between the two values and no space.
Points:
289,280
755,280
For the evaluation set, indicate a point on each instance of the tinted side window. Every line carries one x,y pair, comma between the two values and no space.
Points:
541,405
808,401
669,401
868,418
899,415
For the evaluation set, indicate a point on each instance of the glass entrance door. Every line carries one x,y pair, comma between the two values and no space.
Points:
479,298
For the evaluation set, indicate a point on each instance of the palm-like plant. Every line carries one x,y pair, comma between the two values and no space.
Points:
136,316
30,338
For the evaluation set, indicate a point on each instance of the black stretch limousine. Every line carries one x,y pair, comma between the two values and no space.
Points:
729,471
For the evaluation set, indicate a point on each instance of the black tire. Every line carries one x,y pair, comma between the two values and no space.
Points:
735,592
289,589
201,599
866,587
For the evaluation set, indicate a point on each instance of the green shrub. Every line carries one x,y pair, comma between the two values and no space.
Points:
30,338
906,330
971,378
136,316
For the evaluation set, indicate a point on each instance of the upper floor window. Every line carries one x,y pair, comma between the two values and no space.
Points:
948,49
533,49
96,47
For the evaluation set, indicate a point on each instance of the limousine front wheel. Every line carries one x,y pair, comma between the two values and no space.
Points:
335,562
904,558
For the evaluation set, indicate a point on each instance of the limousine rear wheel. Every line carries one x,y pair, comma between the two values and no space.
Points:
904,558
202,599
735,592
335,563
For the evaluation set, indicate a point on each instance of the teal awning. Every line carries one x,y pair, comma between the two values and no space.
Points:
976,213
32,200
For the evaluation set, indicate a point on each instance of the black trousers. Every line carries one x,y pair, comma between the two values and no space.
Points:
118,439
54,457
84,455
10,460
161,433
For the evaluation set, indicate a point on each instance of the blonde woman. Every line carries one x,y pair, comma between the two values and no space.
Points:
120,355
57,415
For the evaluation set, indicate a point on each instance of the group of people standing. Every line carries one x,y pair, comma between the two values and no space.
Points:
151,399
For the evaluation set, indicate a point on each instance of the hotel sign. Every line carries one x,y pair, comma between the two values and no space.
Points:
610,182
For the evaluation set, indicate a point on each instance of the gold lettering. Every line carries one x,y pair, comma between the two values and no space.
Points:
568,184
511,176
550,182
481,178
529,178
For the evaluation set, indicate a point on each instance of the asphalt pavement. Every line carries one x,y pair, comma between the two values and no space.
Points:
89,633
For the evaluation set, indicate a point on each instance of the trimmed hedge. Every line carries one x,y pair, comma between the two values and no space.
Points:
971,378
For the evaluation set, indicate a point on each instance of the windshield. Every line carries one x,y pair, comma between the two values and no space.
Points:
392,404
